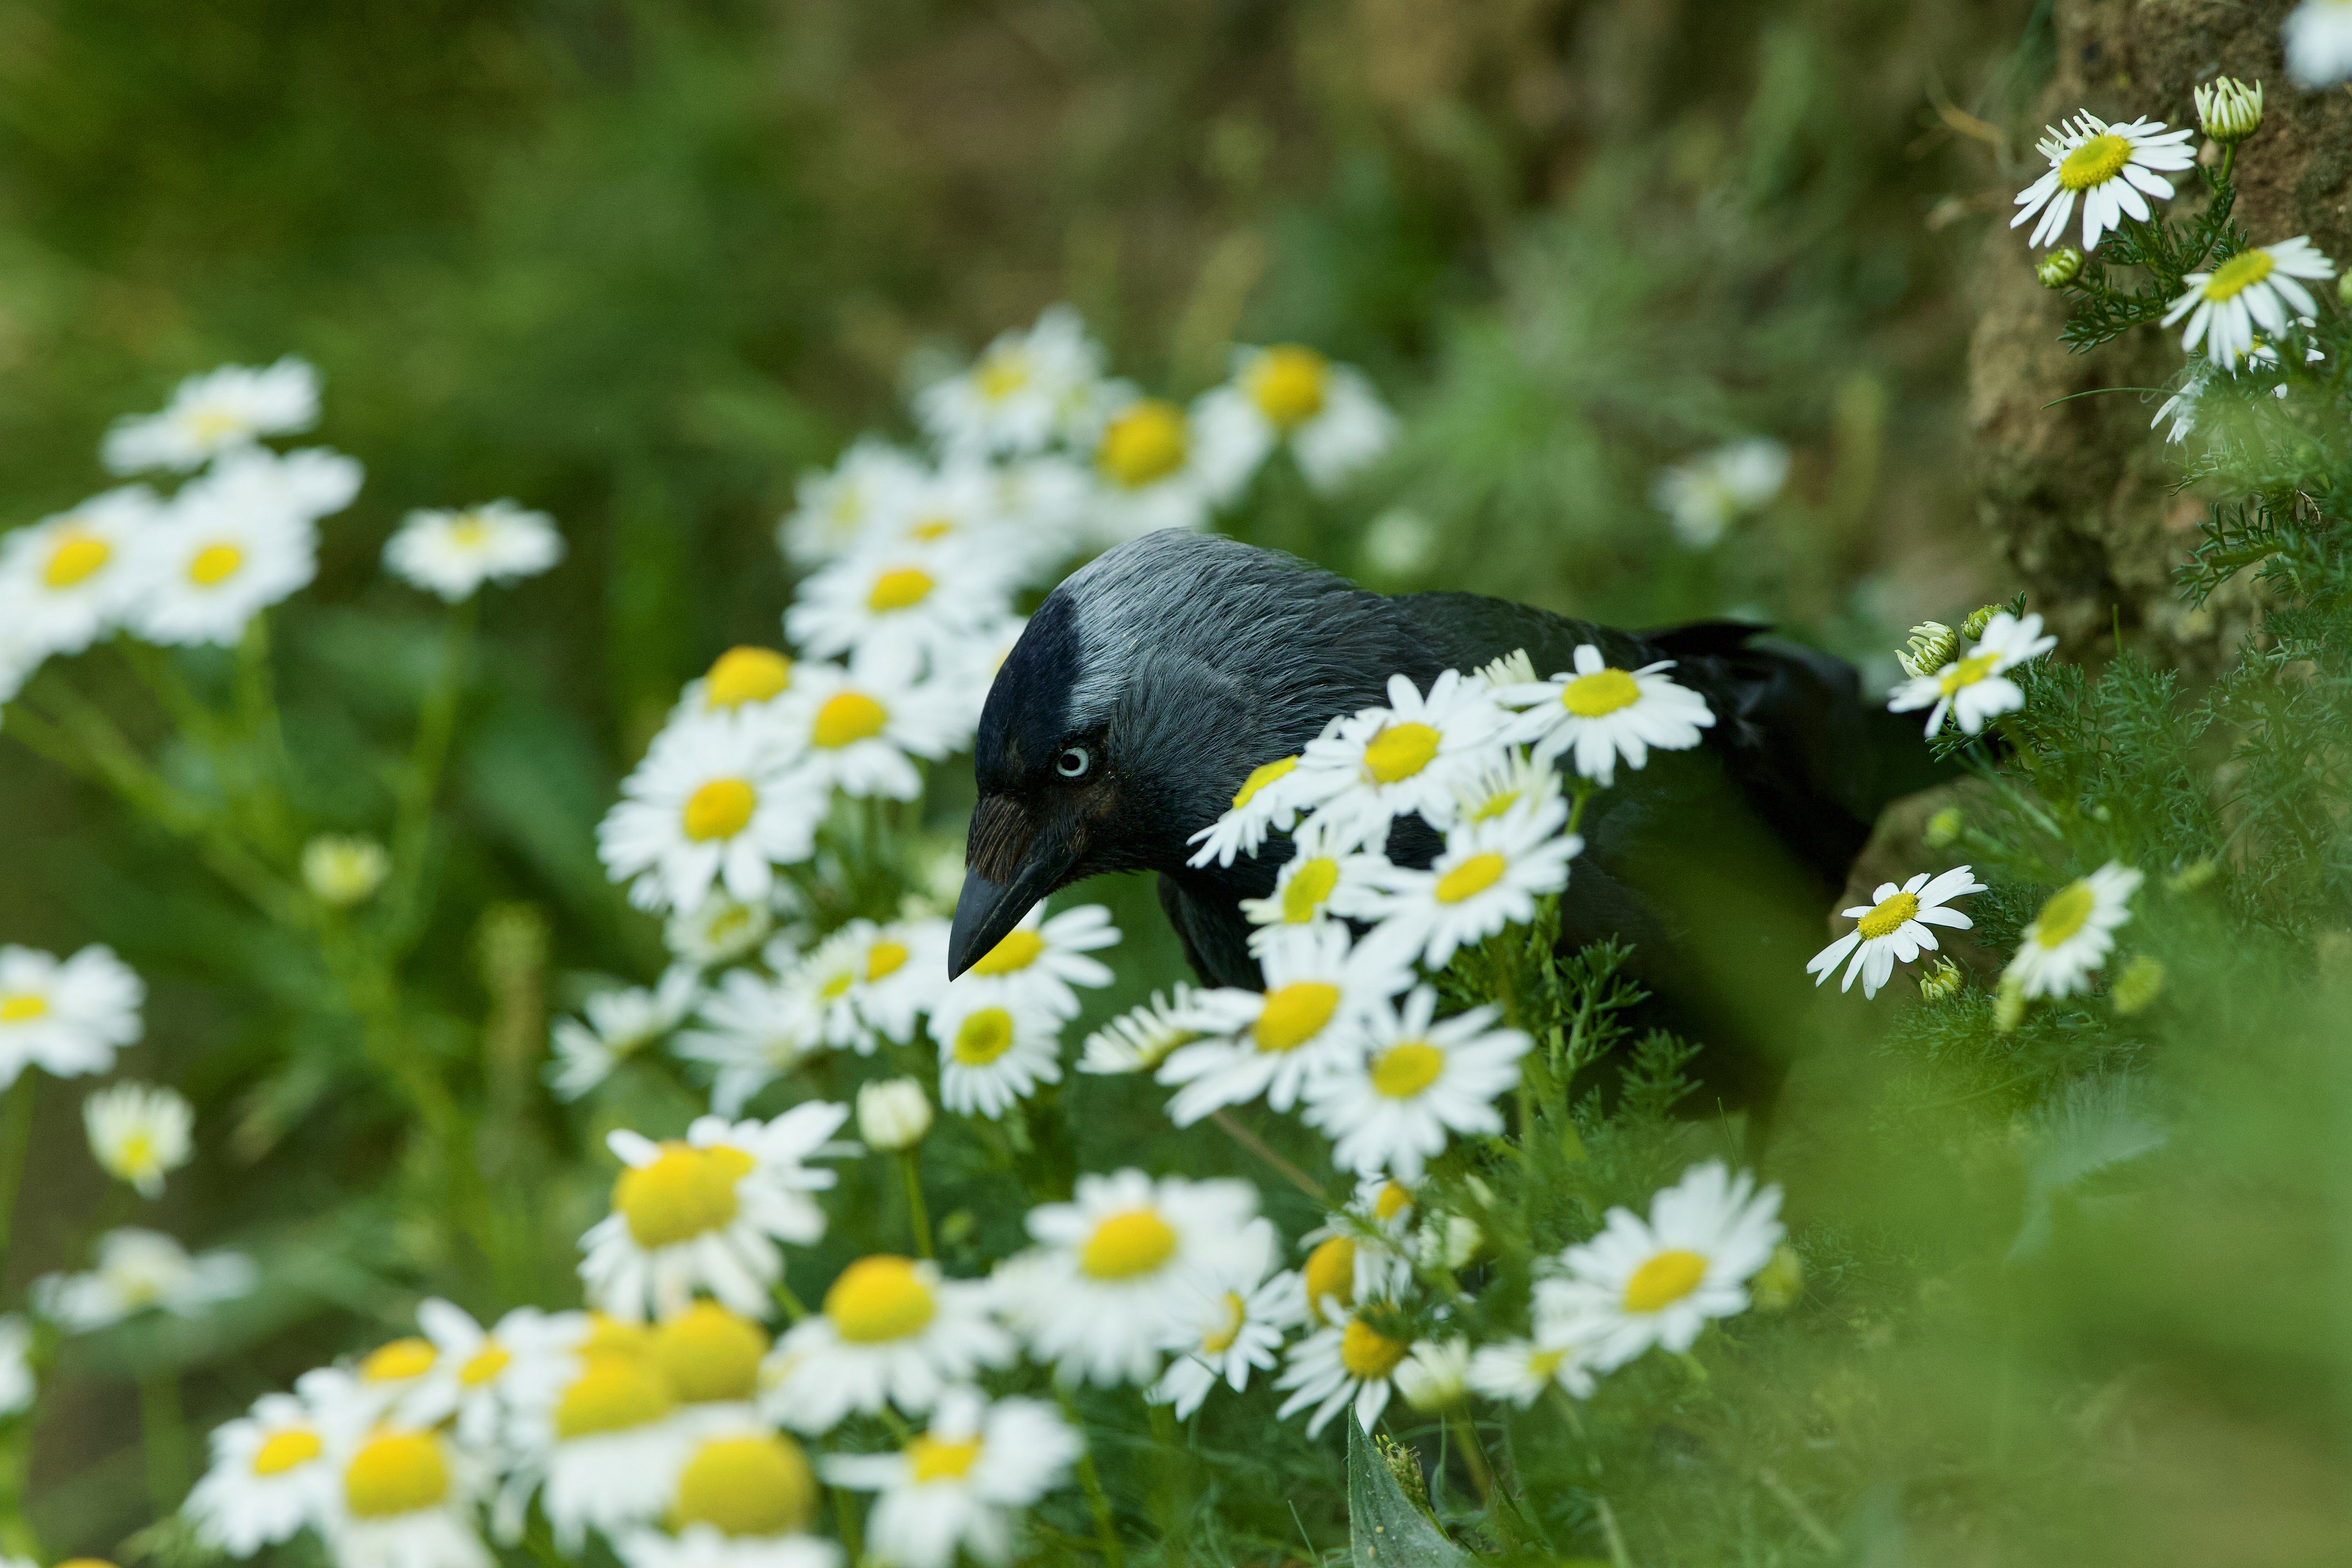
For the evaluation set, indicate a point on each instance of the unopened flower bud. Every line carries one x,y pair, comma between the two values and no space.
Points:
1780,1281
1942,982
893,1114
2229,110
1943,829
1933,644
2060,268
2008,1007
2344,288
1406,1466
1973,628
1433,1376
2138,986
1451,1241
342,871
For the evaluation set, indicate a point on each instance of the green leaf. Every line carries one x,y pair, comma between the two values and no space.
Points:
1384,1530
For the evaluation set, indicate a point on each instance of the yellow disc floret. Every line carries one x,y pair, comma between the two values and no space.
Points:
1331,1274
396,1473
1295,1014
679,1195
77,557
23,1007
742,675
1471,877
984,1036
1260,776
614,1392
1888,916
215,564
1128,1245
1600,694
1664,1279
901,589
1146,443
846,717
709,1354
1309,885
880,1298
720,809
2094,163
2238,274
936,1459
755,1483
398,1361
884,959
1368,1353
1018,951
1400,751
283,1450
2067,911
1288,384
1403,1072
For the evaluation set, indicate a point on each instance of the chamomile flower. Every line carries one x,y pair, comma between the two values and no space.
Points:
1325,879
1639,1284
1704,497
830,978
720,929
138,1270
478,1373
1488,875
994,1051
855,730
838,509
234,543
753,1030
1600,713
1892,928
269,1477
751,1487
904,975
963,1481
1361,1254
910,599
1156,467
1140,1040
66,1018
1041,963
1021,393
2317,36
706,1211
713,804
1512,780
744,683
139,1134
706,1546
892,1330
1112,1280
1976,688
71,577
405,1500
711,1357
608,1440
1393,1108
618,1024
1351,1363
1333,421
2113,169
17,1382
1269,801
1310,1019
1409,757
1238,1325
2071,938
215,413
453,552
2259,291
1519,1372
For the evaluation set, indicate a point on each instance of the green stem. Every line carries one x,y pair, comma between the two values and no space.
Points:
1105,1526
793,1307
916,1214
1475,1457
1560,1397
844,1520
165,1437
1584,793
15,1143
436,723
1175,1478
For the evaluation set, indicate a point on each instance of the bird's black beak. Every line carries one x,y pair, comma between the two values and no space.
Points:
1004,843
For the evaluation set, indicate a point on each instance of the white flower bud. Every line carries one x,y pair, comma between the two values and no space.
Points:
893,1114
2060,268
2229,110
1433,1376
1451,1241
1932,646
342,872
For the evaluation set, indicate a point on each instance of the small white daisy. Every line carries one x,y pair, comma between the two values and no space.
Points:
1156,467
892,1330
138,1270
453,554
831,978
1488,875
405,1500
909,598
1140,1040
1269,801
1325,879
1641,1284
905,975
1393,1108
962,1482
1976,688
65,1018
855,730
1512,780
1333,421
1600,713
713,804
1892,928
609,1441
269,1478
1238,1325
1040,964
1409,757
2112,168
2071,938
478,1373
2317,36
18,1384
837,509
721,930
1518,1372
995,1052
234,542
1021,393
215,413
2255,292
619,1024
753,1030
1704,497
1350,1363
1362,1253
139,1134
70,578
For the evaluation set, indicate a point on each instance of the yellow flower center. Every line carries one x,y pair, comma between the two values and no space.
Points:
614,1392
1663,1280
77,557
720,809
23,1007
1543,1364
848,717
932,528
1144,444
836,985
135,1156
484,1364
2238,274
1017,952
609,1336
1967,672
1260,776
1368,1354
215,564
1126,1245
469,531
2066,912
756,1484
1398,751
1401,1072
884,959
744,675
1228,1328
209,426
1494,806
901,589
1288,384
1295,1014
1331,1274
1888,917
1391,1200
2094,163
395,1473
1303,895
682,1194
1471,877
709,1353
984,1036
399,1361
934,1459
1600,694
878,1299
1001,374
281,1451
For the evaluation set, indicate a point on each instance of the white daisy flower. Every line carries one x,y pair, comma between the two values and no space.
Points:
376,1383
1269,801
2317,36
962,1482
1333,420
215,413
1140,1040
1113,1280
911,599
754,1030
2071,938
1892,928
17,1382
1488,875
994,1052
1021,393
2112,168
66,1018
139,1134
1310,1019
453,552
855,728
706,1212
1704,497
1600,713
837,509
1038,506
1637,1284
269,1478
2254,292
1351,1363
1976,688
704,1546
1518,1372
1361,1254
610,1442
1393,1108
476,1374
892,1330
70,578
905,975
1156,467
829,979
138,1270
1512,780
234,542
749,1490
713,804
1238,1325
721,930
619,1024
1409,757
1039,964
405,1500
1325,879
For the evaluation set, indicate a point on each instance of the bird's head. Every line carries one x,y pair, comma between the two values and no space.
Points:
1142,693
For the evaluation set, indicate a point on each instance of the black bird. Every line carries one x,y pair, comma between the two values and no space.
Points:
1155,679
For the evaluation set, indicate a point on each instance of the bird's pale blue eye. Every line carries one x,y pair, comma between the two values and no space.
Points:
1073,762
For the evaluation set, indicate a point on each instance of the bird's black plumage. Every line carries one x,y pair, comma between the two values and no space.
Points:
1152,682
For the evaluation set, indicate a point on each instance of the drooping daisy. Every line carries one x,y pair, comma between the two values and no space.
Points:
1140,1040
1391,1110
891,1331
1269,801
706,1546
138,1270
1310,1019
712,803
2317,36
721,930
215,413
1600,713
2071,938
405,1500
1325,879
1488,875
139,1132
1657,1283
68,1018
619,1024
71,577
1351,1363
476,1374
911,599
1976,688
994,1053
1238,1325
1704,497
1408,757
706,1212
753,1030
962,1482
1892,928
2256,289
1518,1372
1156,467
17,1382
269,1478
1114,1277
454,552
855,728
838,509
1041,963
1021,393
1334,422
2112,168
